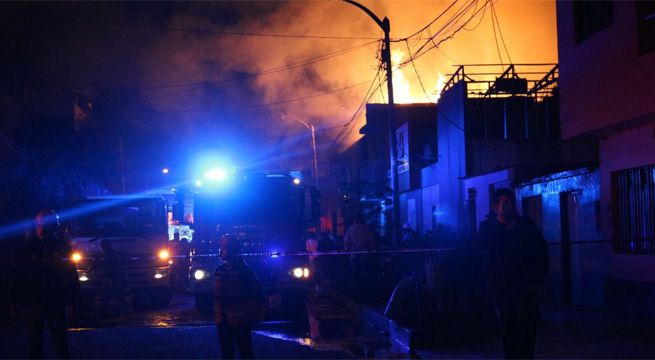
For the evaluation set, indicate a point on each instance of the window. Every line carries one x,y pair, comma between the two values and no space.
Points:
590,17
646,26
633,204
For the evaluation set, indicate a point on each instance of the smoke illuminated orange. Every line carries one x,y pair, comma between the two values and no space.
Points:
528,29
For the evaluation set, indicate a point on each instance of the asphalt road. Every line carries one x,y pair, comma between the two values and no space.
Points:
172,333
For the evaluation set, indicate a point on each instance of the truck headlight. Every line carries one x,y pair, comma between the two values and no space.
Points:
300,273
164,254
199,274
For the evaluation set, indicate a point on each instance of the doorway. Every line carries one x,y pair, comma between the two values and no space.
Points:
570,228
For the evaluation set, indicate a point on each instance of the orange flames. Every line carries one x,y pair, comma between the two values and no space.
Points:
406,92
326,89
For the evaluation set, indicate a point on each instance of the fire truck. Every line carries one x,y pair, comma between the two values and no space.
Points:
270,214
136,226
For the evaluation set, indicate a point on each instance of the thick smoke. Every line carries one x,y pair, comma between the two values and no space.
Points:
528,29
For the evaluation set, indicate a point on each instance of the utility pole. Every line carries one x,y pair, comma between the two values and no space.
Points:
393,158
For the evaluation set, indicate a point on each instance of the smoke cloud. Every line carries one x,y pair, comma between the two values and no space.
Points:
203,87
528,29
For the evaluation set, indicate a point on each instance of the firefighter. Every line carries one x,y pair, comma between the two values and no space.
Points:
238,300
47,285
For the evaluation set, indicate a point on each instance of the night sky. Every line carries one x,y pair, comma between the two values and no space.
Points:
100,89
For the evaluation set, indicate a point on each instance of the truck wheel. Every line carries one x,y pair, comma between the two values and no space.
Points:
205,303
160,298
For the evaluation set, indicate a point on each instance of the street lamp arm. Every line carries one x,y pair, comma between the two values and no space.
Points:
313,130
384,25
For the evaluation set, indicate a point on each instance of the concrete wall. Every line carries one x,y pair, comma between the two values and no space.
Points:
411,209
625,150
603,81
481,185
430,203
588,256
450,167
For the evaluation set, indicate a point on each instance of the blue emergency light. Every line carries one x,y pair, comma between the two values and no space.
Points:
216,174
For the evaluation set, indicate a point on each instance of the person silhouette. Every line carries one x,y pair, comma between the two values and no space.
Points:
47,285
516,259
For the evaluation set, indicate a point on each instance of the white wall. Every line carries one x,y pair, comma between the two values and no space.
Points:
481,185
625,150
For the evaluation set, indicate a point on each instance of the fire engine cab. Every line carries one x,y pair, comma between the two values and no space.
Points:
270,213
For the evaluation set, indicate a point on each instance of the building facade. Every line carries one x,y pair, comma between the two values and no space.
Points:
607,67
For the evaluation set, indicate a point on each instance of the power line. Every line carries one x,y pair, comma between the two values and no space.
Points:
279,102
423,50
349,125
481,18
494,15
274,70
436,107
493,26
369,93
200,85
430,40
418,76
218,32
429,24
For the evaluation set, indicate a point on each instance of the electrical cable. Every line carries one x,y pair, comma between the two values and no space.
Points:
419,77
495,15
500,57
437,108
273,70
422,52
446,26
217,32
453,20
201,85
279,102
479,22
429,24
357,113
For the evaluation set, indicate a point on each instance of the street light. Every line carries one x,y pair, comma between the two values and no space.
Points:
315,159
386,58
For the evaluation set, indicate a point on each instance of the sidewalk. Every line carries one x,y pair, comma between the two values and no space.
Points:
570,333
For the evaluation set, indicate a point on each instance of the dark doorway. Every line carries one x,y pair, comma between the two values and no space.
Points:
569,217
533,209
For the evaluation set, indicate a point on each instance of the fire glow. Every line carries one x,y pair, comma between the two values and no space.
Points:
523,23
410,92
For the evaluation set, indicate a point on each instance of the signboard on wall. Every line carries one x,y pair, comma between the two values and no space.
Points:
402,151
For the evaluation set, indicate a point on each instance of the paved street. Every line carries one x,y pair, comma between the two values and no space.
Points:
570,333
175,332
180,332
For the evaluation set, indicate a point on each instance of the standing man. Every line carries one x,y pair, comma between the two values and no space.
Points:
47,285
363,267
516,258
238,300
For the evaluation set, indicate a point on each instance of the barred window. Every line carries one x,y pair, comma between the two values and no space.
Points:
633,203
